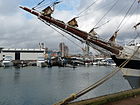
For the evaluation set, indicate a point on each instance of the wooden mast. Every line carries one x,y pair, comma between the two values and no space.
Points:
75,31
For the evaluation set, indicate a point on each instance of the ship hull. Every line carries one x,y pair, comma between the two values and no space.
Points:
132,64
133,77
131,71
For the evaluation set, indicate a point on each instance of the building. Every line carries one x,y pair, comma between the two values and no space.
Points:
63,49
51,53
21,54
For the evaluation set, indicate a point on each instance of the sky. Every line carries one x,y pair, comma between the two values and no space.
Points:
19,29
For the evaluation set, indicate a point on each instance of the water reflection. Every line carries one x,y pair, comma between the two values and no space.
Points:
17,75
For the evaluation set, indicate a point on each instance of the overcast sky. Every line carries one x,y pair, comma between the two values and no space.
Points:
19,29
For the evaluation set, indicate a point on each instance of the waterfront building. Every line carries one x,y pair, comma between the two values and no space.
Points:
64,50
21,54
51,53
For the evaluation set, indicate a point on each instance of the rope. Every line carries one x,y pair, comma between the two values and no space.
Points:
101,81
97,9
138,34
125,15
102,24
132,50
106,13
38,4
87,8
62,34
129,18
51,3
106,77
43,5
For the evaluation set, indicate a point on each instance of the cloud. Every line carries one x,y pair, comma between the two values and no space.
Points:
119,7
22,30
8,7
98,14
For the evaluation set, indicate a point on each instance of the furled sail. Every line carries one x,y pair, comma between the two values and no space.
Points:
47,11
112,41
113,37
73,22
92,32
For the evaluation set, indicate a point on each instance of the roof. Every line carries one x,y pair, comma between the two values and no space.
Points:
21,50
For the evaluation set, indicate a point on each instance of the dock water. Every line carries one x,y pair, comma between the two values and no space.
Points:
33,85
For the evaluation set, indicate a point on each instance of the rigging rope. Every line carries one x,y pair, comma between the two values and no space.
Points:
137,11
126,15
71,35
129,18
99,82
43,5
106,13
62,34
98,8
138,34
102,24
38,4
87,8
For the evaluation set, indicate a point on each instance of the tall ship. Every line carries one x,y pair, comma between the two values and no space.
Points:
129,54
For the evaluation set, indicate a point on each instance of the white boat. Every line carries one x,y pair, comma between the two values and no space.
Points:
41,62
98,61
103,61
7,62
110,62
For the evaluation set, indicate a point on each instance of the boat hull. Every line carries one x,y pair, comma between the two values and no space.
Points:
7,64
133,77
131,71
41,64
132,64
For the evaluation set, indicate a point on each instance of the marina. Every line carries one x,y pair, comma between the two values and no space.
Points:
100,65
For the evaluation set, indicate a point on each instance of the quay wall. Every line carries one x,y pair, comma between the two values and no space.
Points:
105,100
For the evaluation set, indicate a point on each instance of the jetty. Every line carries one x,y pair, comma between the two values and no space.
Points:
129,97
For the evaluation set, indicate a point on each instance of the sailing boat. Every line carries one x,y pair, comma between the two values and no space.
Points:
118,53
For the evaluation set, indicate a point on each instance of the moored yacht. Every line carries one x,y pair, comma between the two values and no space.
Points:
41,62
7,62
110,62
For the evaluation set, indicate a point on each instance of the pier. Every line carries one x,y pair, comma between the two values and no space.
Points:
129,97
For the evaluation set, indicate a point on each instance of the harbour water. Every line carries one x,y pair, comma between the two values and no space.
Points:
46,86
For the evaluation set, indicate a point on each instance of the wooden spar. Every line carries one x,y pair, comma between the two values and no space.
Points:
75,31
103,45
